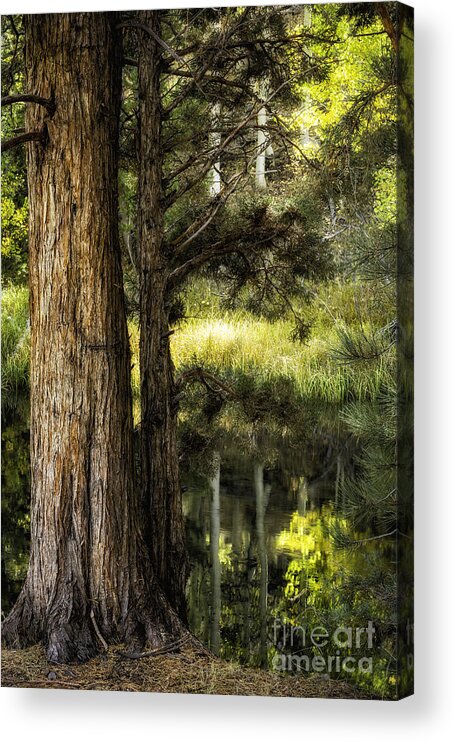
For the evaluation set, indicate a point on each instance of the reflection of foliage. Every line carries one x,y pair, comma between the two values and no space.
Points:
329,588
15,507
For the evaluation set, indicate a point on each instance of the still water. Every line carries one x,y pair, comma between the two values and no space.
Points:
258,532
259,542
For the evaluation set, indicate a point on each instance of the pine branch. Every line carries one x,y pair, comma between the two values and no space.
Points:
9,100
195,229
206,378
189,184
216,250
29,136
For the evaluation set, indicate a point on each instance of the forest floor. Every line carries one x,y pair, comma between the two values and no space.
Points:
183,672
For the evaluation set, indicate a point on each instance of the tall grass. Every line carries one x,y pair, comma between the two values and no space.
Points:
235,343
15,345
232,345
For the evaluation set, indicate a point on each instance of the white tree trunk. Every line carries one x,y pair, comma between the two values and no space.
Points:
264,149
215,141
305,136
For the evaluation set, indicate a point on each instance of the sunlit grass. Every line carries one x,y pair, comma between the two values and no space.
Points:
235,343
15,344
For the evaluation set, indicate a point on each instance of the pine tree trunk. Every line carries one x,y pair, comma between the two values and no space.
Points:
159,457
87,574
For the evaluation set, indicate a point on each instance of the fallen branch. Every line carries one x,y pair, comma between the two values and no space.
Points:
166,649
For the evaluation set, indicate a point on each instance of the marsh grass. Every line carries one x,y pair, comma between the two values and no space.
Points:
235,344
246,346
15,345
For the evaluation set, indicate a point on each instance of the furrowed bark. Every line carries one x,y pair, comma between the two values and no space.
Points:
159,459
88,574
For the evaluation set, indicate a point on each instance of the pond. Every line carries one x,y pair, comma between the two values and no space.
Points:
259,521
258,535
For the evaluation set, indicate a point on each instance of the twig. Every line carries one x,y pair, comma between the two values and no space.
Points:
97,631
166,649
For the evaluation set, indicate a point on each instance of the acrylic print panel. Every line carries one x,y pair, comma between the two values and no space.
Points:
207,350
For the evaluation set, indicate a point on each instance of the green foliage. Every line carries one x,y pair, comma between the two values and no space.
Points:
15,346
14,206
329,588
15,505
14,236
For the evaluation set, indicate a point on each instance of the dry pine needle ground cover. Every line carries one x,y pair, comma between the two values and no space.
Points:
183,672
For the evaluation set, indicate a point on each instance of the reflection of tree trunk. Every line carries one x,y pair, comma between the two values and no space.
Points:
214,552
302,496
339,482
197,602
250,568
261,505
237,529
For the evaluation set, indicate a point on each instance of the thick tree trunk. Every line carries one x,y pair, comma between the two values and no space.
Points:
87,575
159,457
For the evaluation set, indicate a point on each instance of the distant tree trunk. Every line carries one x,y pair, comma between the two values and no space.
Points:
305,136
215,141
160,471
87,575
264,148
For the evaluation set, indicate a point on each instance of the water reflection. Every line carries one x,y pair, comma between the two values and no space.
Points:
258,532
259,543
215,553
